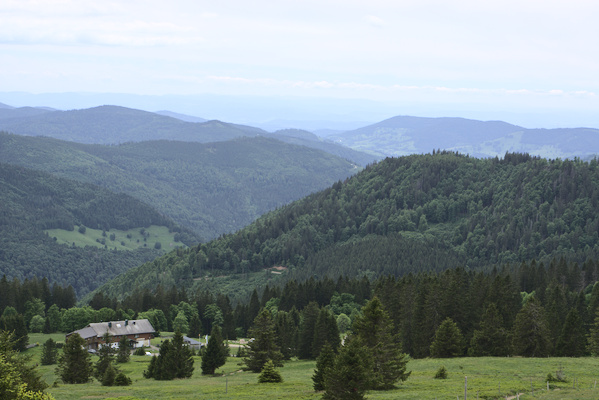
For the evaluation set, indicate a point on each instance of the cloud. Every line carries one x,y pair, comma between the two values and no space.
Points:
374,21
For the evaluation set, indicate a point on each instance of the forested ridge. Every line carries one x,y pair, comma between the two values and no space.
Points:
34,201
409,214
211,188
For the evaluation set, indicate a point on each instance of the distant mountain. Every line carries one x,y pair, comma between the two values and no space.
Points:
403,135
35,202
212,188
406,215
115,125
182,117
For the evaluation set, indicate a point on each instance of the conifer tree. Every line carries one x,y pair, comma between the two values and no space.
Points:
270,374
49,352
106,355
264,346
74,364
195,327
374,328
325,331
593,336
123,353
216,352
530,336
448,340
351,375
174,361
306,330
324,362
492,338
571,342
286,331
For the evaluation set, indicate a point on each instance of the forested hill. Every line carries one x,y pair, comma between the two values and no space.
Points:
211,188
34,203
408,214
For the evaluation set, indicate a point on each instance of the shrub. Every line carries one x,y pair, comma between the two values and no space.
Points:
441,373
270,373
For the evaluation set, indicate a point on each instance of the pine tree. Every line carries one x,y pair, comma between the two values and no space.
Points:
174,361
182,357
49,352
593,336
374,328
264,346
74,364
195,327
530,336
571,342
105,357
216,352
270,374
325,331
448,340
324,362
123,353
492,338
109,376
306,330
351,375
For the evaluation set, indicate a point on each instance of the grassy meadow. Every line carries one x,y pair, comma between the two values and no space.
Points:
488,378
123,240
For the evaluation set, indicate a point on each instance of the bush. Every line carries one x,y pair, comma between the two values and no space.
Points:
270,373
122,380
441,373
140,351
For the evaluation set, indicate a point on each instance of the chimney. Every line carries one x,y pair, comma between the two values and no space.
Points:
110,324
126,322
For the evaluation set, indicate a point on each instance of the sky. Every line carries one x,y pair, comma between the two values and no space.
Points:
529,60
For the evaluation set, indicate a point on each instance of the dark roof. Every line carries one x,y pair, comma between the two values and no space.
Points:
116,328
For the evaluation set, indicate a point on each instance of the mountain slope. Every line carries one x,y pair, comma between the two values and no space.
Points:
34,202
403,135
408,214
212,188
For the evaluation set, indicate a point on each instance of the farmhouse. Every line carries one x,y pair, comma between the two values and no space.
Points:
138,331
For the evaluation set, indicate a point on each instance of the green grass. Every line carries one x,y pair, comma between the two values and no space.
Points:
94,237
488,378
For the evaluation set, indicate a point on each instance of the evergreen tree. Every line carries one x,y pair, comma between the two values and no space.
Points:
325,331
175,360
195,327
109,376
492,338
306,330
216,352
530,336
593,336
324,362
124,352
448,340
264,346
49,352
106,355
270,374
571,342
374,328
286,331
351,375
74,364
16,370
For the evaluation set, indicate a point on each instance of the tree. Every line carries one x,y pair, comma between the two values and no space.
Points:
325,331
216,352
571,342
324,362
374,328
351,375
108,376
105,357
19,379
195,327
448,340
49,352
74,364
174,361
593,336
123,353
180,323
530,336
306,330
264,346
270,374
492,338
343,322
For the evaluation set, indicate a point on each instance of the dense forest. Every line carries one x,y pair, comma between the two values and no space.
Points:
34,201
528,309
210,188
410,214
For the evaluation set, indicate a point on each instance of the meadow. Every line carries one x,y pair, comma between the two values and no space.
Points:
488,378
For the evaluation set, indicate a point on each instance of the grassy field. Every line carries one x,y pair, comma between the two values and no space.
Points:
123,240
488,378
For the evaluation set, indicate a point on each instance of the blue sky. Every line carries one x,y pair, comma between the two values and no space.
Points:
495,58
